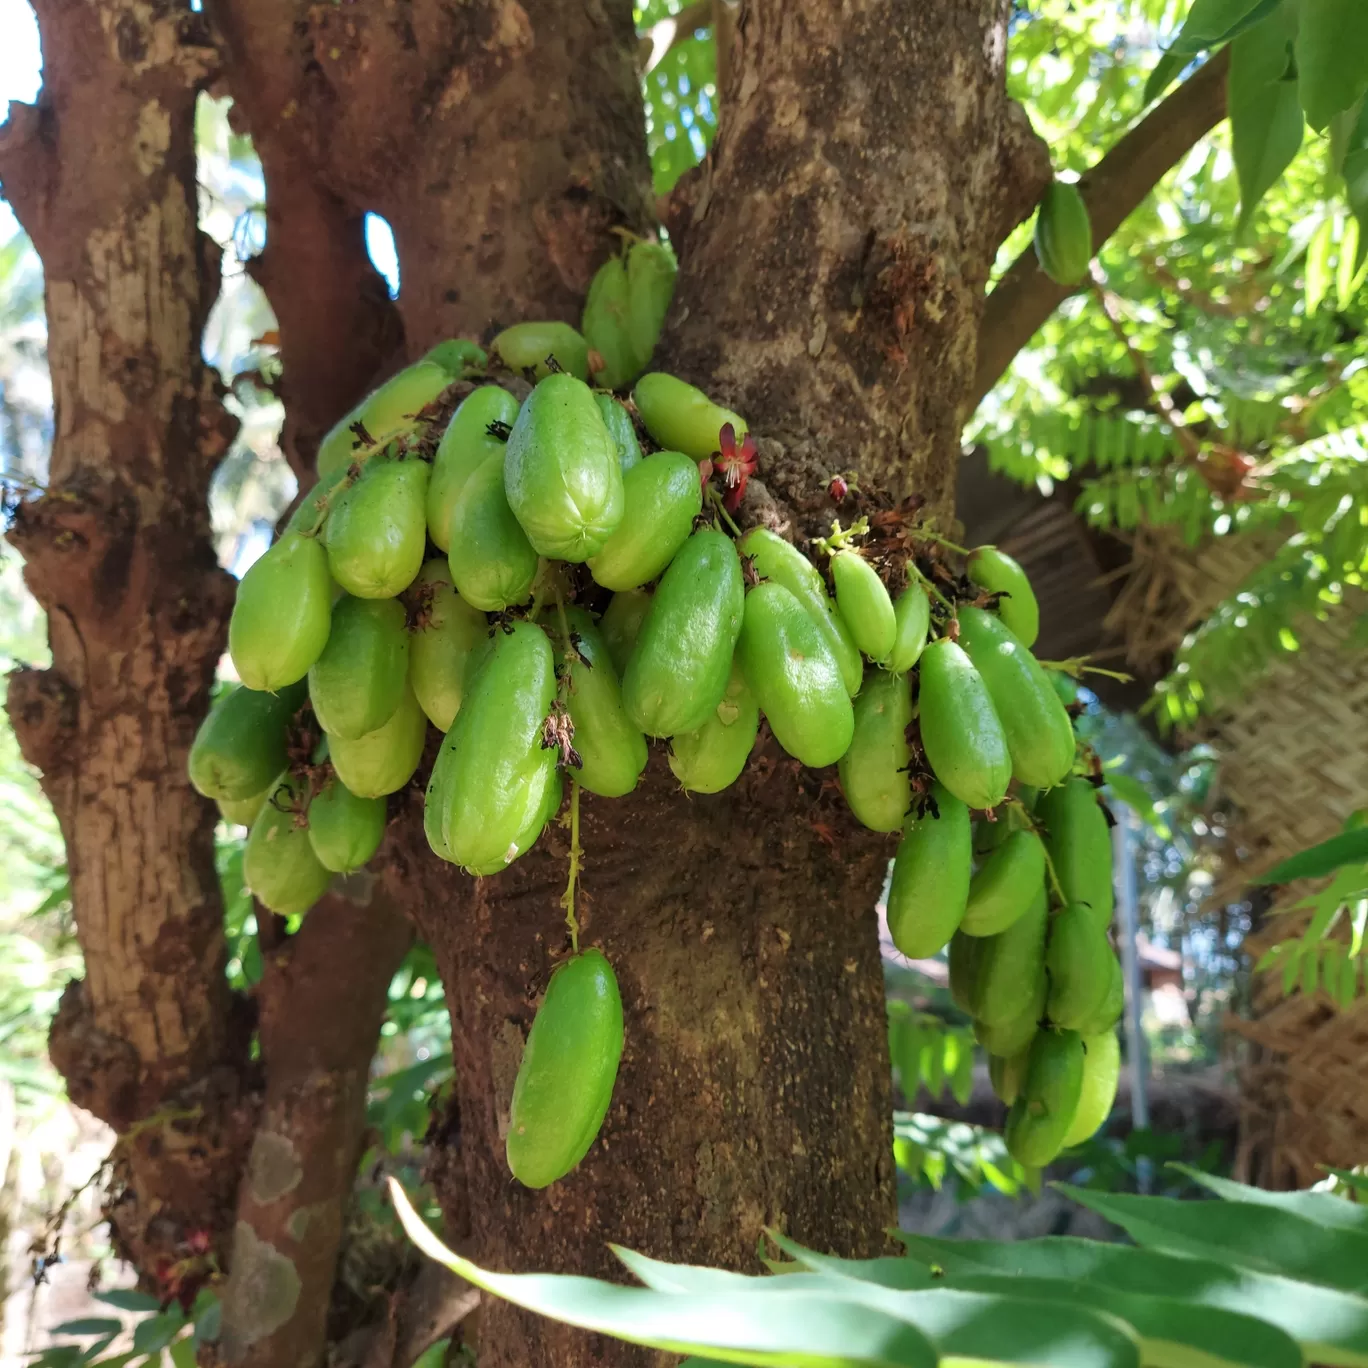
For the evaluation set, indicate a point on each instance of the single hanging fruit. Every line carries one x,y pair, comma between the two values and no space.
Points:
1048,1101
1101,1074
912,615
1015,1034
446,630
562,473
384,760
282,615
1012,965
1007,1075
466,445
965,962
711,759
781,561
651,273
661,498
240,746
565,1081
359,680
344,830
619,424
1063,234
1007,883
612,362
795,678
678,670
998,573
278,863
493,565
1079,960
377,530
500,772
611,748
930,886
874,769
1078,841
864,605
621,624
1040,737
682,418
1113,1003
530,346
243,811
960,729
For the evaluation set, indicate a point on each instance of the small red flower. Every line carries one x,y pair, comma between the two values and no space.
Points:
838,488
736,464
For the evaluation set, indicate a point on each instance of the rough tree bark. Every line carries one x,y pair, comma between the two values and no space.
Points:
834,250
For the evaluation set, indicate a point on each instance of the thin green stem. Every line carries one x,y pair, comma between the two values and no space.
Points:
716,500
1053,877
1075,666
931,588
923,535
576,865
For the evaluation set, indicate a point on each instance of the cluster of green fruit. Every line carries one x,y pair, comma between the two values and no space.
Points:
549,595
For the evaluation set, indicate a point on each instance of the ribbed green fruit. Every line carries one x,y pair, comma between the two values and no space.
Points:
1063,234
359,680
998,573
529,346
874,769
1047,1104
960,729
682,418
466,445
864,605
1079,960
376,532
620,428
612,361
1078,841
240,746
446,631
1015,1034
565,1081
712,758
384,760
344,830
1012,966
386,413
621,624
661,498
282,614
492,562
1101,1074
930,883
912,614
243,811
651,273
278,863
1006,884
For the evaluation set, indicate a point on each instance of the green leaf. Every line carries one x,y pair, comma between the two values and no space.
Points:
183,1352
1260,1238
1349,847
89,1325
1331,1326
1313,1206
1168,66
963,1323
156,1332
749,1327
1318,264
1332,57
1210,23
127,1299
1266,123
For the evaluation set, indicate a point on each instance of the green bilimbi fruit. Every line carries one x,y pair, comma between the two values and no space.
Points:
678,670
466,445
313,507
1047,1104
998,573
1113,1002
344,830
384,760
492,562
965,959
682,418
619,424
377,530
1079,960
527,346
1039,734
712,758
562,473
612,750
912,615
960,729
500,772
282,615
359,680
1012,966
651,272
612,361
662,497
446,630
1007,1075
873,770
621,624
278,863
864,605
1007,883
1015,1034
240,746
781,561
243,811
930,884
1063,234
1078,842
565,1081
1101,1073
435,803
795,678
386,413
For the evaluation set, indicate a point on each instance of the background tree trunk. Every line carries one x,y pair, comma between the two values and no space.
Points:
833,251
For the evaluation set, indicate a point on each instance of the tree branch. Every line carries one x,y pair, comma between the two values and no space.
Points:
1025,296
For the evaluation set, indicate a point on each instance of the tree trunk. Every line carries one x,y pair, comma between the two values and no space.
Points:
833,249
